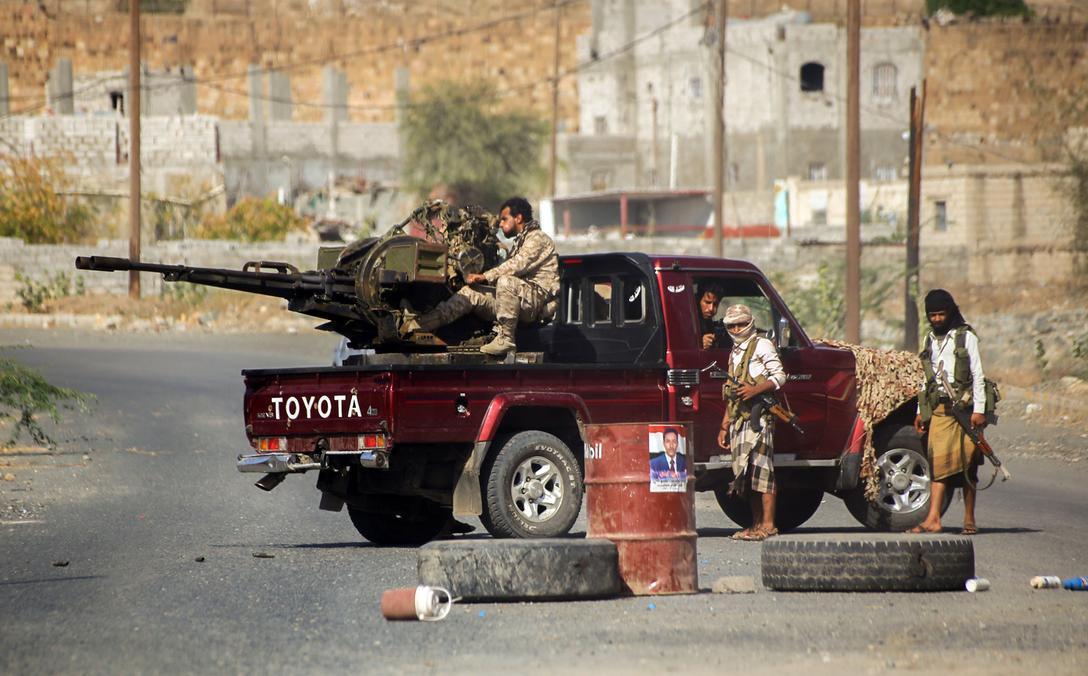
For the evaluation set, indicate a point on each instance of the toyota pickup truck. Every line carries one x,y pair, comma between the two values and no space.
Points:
404,441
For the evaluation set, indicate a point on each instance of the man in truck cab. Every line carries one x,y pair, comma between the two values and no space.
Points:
755,366
523,285
710,296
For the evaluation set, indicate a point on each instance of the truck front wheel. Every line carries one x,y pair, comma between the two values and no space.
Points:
533,487
905,481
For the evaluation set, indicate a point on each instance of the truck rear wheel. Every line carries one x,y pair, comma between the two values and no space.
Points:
533,487
415,522
793,508
905,481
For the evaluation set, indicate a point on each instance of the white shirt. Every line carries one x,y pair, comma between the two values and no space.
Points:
764,362
943,357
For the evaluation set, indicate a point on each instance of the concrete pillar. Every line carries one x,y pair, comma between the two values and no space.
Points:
279,90
256,94
59,88
334,91
4,109
187,95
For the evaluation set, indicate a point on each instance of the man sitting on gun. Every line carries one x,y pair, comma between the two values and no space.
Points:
523,284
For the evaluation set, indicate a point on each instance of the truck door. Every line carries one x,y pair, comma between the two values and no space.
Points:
805,390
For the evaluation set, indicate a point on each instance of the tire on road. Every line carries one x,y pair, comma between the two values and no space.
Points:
870,562
415,522
533,487
794,507
492,570
905,480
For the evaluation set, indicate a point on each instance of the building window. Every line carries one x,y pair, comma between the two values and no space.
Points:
117,102
600,179
695,85
885,172
812,77
885,77
817,171
940,217
600,125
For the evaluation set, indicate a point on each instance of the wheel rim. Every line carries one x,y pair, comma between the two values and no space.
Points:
904,481
536,488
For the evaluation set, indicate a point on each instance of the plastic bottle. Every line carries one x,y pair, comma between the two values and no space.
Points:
1046,582
1076,583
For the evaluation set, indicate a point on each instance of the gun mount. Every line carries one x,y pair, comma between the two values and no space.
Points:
362,288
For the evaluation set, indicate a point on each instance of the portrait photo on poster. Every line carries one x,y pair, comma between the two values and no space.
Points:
667,458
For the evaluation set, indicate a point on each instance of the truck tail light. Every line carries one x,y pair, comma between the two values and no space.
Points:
371,441
272,444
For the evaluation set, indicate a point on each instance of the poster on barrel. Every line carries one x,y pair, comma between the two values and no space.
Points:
668,447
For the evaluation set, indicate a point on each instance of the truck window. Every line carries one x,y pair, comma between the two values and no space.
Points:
746,292
574,302
634,300
602,301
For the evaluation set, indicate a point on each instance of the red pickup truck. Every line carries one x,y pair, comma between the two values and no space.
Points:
404,441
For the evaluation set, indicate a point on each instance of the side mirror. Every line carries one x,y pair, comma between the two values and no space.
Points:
783,333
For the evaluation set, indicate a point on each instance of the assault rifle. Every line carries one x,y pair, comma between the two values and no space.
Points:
767,402
964,419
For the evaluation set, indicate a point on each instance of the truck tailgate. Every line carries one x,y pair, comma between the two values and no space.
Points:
322,401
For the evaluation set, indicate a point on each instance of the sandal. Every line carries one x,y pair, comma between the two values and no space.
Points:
971,529
919,529
745,534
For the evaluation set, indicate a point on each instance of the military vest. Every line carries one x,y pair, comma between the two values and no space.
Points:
742,374
963,397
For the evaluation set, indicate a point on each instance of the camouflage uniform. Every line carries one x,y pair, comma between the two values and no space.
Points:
524,284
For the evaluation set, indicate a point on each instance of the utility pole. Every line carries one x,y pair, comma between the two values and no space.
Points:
914,201
553,161
134,144
719,129
853,173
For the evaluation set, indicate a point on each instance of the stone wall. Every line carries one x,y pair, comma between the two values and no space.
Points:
435,43
1001,91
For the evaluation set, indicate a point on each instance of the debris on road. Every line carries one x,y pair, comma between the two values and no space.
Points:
734,584
427,604
977,584
1046,582
263,555
60,564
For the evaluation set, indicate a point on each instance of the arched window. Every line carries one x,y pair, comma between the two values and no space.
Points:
885,81
812,77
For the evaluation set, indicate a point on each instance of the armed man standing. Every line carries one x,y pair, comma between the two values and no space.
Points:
951,360
524,284
755,364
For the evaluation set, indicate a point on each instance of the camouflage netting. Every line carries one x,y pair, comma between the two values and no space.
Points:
886,380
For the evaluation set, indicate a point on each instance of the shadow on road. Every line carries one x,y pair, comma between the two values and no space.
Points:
44,580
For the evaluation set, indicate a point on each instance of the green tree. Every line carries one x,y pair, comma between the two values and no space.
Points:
463,136
25,394
980,7
32,205
252,220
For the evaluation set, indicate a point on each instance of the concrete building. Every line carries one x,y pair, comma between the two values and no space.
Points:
645,109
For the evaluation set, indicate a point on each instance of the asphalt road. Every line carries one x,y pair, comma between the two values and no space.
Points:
145,485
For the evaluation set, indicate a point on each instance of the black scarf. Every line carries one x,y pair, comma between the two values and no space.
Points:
939,300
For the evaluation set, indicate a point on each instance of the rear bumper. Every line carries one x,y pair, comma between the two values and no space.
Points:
276,463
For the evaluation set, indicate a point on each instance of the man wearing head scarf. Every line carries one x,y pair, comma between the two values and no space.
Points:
754,363
952,348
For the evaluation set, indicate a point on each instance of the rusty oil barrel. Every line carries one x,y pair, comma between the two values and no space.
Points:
650,515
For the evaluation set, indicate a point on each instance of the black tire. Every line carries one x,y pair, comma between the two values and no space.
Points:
867,563
904,485
415,522
794,507
515,506
492,570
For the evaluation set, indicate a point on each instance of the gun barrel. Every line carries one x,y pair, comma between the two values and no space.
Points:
251,279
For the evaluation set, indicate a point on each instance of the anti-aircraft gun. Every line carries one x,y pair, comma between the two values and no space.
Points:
363,288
